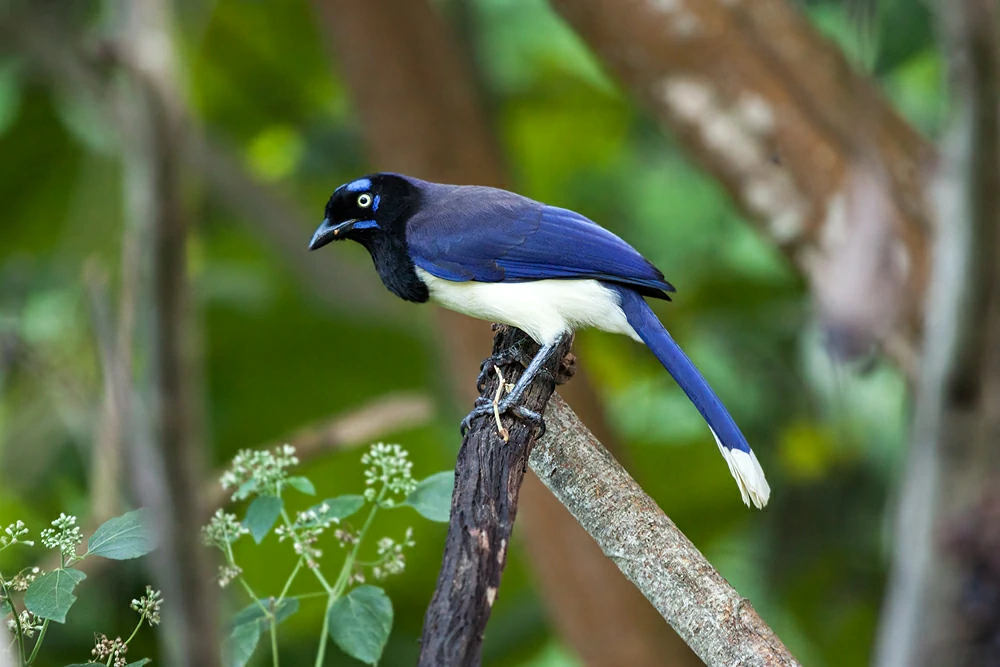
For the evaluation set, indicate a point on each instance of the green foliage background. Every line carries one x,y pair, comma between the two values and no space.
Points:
259,78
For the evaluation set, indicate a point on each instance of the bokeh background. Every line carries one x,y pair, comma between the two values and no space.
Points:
278,97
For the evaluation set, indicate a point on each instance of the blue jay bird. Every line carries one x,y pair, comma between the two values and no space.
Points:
548,271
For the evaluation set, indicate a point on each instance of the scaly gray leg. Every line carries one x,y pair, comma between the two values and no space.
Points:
511,402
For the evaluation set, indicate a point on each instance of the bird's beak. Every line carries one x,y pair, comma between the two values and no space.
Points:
328,231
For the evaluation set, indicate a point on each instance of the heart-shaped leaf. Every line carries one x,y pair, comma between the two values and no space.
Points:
432,497
124,537
238,647
360,623
302,485
261,516
342,507
51,595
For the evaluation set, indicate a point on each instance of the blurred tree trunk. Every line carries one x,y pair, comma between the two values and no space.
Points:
943,605
166,462
421,116
806,147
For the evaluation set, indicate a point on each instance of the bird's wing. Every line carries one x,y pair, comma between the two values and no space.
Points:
490,235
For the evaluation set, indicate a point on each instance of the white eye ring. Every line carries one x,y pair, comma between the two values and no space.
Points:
365,200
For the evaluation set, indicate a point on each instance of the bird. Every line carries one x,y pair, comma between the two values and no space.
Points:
549,271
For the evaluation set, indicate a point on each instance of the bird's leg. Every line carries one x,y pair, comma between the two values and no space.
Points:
501,358
511,402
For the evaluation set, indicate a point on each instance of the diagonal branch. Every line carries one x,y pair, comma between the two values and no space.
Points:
774,111
719,624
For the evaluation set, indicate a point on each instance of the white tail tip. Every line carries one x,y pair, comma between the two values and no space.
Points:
748,474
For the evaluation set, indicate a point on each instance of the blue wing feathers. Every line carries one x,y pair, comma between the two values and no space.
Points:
641,318
487,235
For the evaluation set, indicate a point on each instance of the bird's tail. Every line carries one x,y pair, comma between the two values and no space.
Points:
742,462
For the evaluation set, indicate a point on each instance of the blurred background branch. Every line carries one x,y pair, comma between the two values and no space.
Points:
774,111
944,569
168,462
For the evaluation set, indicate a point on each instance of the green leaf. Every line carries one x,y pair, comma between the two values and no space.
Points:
6,607
51,595
360,622
253,613
124,537
261,515
238,647
432,497
302,485
342,507
139,663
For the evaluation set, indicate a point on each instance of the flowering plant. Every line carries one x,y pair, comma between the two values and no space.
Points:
358,614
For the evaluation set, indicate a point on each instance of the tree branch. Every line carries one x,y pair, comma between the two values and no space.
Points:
945,554
376,419
717,622
488,476
167,465
773,110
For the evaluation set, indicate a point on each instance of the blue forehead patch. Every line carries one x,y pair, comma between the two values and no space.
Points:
359,185
365,224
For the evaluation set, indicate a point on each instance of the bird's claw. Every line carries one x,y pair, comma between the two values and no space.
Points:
502,358
484,407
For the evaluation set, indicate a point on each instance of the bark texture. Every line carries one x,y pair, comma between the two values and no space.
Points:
719,624
488,476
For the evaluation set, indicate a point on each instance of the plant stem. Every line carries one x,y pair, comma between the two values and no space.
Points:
295,538
139,625
38,644
17,620
291,578
306,596
253,596
274,640
348,568
324,631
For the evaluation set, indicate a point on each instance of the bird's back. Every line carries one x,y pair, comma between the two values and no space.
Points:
484,234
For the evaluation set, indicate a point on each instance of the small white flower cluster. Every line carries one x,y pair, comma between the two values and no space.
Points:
305,532
20,581
346,538
316,517
110,652
227,573
148,606
223,530
390,466
391,558
29,623
254,470
14,534
65,535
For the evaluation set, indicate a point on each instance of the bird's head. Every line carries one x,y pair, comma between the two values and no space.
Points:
365,209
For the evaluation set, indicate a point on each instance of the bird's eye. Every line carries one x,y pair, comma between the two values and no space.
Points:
365,200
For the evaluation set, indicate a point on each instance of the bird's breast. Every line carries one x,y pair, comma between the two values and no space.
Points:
543,309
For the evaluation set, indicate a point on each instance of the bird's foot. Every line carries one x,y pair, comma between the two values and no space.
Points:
501,358
508,405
